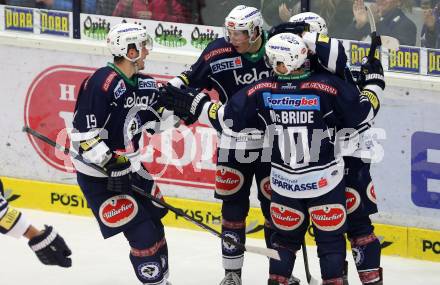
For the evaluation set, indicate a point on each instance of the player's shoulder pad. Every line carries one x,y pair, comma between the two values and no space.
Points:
262,85
146,82
217,49
323,82
105,77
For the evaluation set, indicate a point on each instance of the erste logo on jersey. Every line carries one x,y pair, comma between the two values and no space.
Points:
118,211
291,102
120,89
328,217
226,64
352,199
147,83
285,218
228,180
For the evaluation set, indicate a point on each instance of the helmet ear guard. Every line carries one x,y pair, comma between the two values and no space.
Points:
288,49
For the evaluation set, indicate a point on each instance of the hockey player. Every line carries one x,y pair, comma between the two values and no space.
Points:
300,108
48,245
227,65
361,201
113,106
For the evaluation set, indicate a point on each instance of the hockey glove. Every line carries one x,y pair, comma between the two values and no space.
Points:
297,28
119,174
371,73
50,248
187,103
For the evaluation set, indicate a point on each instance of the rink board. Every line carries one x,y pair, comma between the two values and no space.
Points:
61,198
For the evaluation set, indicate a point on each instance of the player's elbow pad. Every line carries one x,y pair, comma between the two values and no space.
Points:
95,151
179,81
373,93
12,222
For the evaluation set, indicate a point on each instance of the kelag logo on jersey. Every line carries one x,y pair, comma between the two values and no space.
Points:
147,84
226,64
291,102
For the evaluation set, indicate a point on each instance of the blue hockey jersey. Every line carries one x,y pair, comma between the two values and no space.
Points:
301,114
113,110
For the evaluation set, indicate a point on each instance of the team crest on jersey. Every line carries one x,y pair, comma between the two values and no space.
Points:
328,217
226,64
146,83
285,218
120,89
291,102
118,211
228,180
352,199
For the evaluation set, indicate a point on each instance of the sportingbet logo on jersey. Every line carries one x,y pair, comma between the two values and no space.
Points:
147,84
226,64
291,102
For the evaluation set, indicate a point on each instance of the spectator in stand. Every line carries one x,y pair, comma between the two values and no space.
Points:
42,4
161,10
87,6
391,20
430,36
105,7
337,13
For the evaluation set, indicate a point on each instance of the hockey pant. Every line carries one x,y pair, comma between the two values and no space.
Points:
290,220
361,202
135,216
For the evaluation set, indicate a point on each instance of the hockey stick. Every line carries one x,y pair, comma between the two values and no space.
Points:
385,41
253,249
310,279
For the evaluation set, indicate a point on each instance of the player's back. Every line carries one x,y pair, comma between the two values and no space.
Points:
301,114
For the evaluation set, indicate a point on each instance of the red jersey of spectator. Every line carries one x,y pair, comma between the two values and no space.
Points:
159,10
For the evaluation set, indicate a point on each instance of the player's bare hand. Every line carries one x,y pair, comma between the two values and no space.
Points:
284,12
360,14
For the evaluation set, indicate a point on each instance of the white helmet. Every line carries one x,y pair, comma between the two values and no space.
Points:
244,18
124,34
287,48
316,22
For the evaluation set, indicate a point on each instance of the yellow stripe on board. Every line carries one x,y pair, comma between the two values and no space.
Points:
61,198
